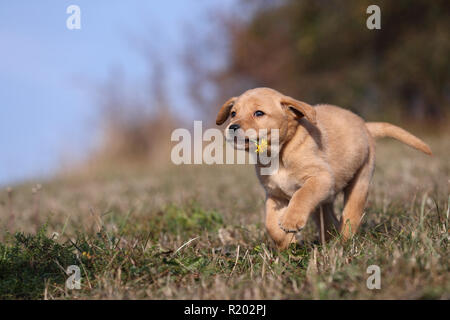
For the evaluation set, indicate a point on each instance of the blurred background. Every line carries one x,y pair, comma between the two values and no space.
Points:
113,91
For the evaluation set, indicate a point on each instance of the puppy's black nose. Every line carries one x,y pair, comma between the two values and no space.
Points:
234,127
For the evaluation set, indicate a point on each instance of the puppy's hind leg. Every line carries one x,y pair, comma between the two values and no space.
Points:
355,196
274,209
329,225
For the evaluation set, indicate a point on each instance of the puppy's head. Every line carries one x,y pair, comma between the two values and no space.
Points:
260,111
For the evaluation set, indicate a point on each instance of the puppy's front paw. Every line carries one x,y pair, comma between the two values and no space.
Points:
289,225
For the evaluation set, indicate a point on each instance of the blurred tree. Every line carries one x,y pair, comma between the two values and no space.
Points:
322,52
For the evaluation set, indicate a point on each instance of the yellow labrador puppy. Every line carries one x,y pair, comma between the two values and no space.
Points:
323,150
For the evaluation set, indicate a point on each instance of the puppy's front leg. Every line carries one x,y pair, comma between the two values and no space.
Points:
315,190
275,208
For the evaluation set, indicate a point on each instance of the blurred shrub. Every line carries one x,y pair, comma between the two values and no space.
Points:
136,122
322,52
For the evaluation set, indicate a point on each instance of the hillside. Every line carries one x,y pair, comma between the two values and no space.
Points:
152,232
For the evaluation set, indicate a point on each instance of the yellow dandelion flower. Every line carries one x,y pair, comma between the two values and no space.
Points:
261,147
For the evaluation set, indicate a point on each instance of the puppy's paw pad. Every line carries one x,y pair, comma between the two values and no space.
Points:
289,229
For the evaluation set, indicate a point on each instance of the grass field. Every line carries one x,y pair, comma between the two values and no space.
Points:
197,232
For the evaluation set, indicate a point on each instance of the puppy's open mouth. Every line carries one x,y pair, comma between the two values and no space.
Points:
247,144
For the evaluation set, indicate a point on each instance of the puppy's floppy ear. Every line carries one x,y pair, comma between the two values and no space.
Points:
224,111
300,108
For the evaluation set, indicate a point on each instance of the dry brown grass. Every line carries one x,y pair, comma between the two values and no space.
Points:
154,210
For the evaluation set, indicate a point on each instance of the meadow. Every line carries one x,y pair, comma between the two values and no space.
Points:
159,231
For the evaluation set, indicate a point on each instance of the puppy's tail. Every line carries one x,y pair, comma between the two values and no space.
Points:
384,129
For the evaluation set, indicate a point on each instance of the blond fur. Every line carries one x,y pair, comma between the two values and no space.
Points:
324,150
384,129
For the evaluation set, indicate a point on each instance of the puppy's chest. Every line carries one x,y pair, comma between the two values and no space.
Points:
281,183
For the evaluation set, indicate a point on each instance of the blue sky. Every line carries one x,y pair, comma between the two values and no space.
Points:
47,114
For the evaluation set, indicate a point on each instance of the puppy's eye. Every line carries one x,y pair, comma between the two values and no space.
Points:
258,113
233,114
